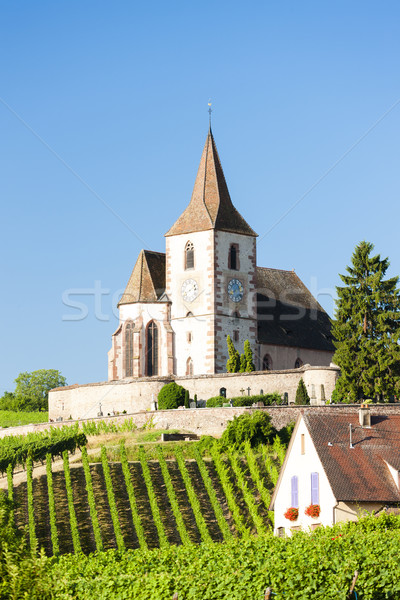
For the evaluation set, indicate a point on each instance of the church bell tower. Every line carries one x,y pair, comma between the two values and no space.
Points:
210,274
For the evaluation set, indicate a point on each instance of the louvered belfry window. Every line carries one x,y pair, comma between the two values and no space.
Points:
152,349
129,350
189,256
314,488
295,491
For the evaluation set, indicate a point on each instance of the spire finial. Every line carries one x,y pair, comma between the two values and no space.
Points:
209,111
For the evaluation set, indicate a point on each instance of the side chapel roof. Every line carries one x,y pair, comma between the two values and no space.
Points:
359,473
210,206
147,281
288,314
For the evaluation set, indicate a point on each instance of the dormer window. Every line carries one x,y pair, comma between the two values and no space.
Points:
189,256
233,257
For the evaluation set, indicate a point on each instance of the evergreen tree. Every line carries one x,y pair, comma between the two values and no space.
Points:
242,364
249,357
302,396
187,399
233,364
366,328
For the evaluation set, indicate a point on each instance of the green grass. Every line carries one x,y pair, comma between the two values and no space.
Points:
10,418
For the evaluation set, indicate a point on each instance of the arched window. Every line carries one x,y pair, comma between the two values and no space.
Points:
189,256
267,363
233,257
152,349
189,366
129,349
298,363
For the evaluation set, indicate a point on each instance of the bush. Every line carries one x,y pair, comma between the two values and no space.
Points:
170,396
286,433
256,428
268,399
215,401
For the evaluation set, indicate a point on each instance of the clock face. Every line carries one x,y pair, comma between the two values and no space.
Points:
190,290
235,290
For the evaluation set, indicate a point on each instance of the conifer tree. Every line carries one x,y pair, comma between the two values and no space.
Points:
233,364
366,328
249,357
242,364
302,396
187,399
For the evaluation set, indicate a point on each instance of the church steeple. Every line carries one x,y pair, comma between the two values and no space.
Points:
210,206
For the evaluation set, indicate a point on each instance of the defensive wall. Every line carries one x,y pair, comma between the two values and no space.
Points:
133,395
210,421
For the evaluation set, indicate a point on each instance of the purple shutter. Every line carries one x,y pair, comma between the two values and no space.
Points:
314,488
295,491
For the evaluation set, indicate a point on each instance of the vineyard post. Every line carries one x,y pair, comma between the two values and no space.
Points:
353,584
267,594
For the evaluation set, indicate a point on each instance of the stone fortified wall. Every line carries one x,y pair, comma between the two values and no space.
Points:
210,421
133,395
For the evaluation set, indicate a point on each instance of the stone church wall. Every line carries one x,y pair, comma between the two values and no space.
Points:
132,395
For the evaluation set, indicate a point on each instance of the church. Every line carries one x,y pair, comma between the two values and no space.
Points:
179,307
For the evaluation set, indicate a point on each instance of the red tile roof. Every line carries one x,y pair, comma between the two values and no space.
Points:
359,473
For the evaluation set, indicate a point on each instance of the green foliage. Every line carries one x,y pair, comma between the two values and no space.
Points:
22,574
172,498
171,396
15,450
162,538
33,388
302,396
11,418
31,510
223,525
132,499
187,399
111,501
248,353
233,364
10,488
229,491
286,433
248,496
194,502
256,474
52,507
268,399
255,427
215,401
100,427
242,368
91,501
366,328
71,507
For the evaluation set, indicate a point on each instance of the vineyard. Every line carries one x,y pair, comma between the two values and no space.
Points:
146,503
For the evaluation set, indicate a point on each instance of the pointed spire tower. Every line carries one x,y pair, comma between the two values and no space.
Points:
211,205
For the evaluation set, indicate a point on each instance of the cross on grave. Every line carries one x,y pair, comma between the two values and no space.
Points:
248,391
242,391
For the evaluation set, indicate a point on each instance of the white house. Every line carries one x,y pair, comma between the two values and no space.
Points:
338,465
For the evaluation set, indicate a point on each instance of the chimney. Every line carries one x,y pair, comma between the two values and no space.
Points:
364,415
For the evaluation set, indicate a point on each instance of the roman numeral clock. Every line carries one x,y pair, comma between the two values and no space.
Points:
235,290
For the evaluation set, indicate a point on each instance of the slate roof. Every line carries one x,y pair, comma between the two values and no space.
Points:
210,206
147,281
288,314
359,474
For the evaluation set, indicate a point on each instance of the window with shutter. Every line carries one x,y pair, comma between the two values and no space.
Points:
314,488
295,491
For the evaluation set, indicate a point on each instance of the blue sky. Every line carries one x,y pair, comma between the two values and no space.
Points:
103,116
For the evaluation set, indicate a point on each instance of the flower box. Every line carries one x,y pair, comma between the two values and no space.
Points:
291,514
313,511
